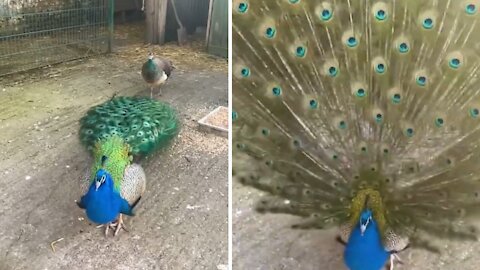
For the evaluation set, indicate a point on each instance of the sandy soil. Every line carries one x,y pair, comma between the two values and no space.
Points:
181,222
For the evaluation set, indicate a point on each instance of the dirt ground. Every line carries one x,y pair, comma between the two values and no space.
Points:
262,242
182,220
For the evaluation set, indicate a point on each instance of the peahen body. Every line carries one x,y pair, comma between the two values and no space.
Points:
362,115
156,71
115,132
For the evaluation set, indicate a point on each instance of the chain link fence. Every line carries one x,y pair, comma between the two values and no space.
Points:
37,33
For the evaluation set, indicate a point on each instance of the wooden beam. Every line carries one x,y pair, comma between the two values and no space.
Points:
156,20
149,19
161,20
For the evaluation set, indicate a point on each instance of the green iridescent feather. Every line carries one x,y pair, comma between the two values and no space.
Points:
118,159
124,127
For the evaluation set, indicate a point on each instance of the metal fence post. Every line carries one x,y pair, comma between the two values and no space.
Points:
111,14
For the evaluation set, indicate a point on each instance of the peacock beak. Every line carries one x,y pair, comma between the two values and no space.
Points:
363,227
97,185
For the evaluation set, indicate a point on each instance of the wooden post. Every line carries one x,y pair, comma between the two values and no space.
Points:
149,17
161,20
156,19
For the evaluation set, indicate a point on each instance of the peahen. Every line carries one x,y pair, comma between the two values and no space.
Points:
115,132
361,115
156,71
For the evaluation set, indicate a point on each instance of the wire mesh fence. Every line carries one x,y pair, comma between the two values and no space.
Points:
36,33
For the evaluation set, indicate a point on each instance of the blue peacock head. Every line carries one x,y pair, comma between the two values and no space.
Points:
365,218
102,177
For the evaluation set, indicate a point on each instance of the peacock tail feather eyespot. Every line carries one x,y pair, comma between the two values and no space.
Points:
294,1
403,47
409,132
396,98
240,146
454,63
300,51
428,23
439,122
296,143
361,93
381,15
380,68
276,91
363,149
471,9
351,42
313,104
385,151
334,156
474,112
332,71
234,115
245,72
326,14
342,124
378,118
265,132
270,32
421,80
242,7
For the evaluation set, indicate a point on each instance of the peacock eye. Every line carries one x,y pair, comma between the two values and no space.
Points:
102,179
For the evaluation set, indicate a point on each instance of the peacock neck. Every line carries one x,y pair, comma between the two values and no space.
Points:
151,65
365,251
118,157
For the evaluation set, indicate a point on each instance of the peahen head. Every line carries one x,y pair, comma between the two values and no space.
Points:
365,219
150,57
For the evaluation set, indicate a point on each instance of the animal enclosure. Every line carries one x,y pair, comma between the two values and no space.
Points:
36,33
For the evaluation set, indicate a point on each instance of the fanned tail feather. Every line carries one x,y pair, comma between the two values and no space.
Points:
333,100
146,125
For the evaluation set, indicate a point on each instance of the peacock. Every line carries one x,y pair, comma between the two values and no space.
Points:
362,116
116,132
156,71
